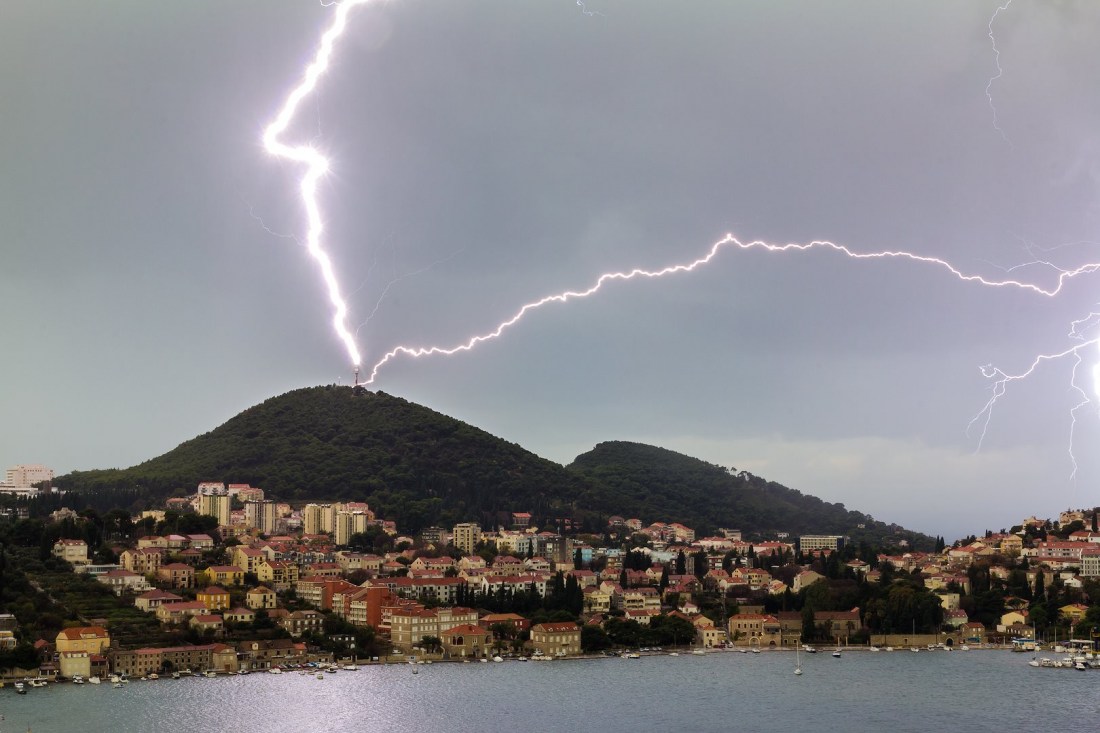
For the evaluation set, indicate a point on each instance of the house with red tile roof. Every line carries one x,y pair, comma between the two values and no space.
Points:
557,639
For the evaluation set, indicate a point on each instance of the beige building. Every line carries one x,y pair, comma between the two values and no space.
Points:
260,597
177,575
466,536
143,561
466,640
559,639
74,552
27,475
260,515
215,505
349,523
319,519
409,626
90,639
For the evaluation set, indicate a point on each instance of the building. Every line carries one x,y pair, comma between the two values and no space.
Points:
144,561
409,625
175,613
25,476
90,639
349,523
214,598
215,505
260,597
261,515
223,575
151,600
74,552
142,662
466,640
812,542
280,574
466,537
303,622
559,639
319,519
177,575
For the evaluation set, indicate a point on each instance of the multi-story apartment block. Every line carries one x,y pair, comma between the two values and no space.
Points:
466,536
261,515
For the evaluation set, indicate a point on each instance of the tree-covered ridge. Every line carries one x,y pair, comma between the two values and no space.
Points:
412,464
419,467
652,483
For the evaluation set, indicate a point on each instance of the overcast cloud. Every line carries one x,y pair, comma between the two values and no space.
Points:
488,153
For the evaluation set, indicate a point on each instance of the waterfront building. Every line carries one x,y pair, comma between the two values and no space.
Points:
90,639
556,639
466,640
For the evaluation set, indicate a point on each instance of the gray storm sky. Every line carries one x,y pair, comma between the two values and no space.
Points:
488,153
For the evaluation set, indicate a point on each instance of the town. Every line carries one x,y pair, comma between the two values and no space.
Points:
227,580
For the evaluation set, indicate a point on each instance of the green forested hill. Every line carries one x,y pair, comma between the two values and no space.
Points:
412,464
663,483
418,467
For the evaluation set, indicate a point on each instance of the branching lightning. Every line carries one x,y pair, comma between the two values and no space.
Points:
729,241
1000,71
1083,331
316,166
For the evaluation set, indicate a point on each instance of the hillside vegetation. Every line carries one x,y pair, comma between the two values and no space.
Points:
418,467
670,484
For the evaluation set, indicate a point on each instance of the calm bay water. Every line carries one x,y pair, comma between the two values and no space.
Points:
863,691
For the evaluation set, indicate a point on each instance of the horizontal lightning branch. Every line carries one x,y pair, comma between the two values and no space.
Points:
729,241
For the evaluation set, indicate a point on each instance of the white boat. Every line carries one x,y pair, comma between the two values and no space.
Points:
115,678
20,688
875,649
209,673
154,676
118,685
275,670
836,653
674,654
175,675
350,668
698,652
38,682
797,660
94,679
78,680
320,675
498,659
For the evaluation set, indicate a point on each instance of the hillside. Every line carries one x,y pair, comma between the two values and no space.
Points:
412,464
419,468
657,482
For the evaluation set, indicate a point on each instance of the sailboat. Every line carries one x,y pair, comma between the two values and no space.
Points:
798,658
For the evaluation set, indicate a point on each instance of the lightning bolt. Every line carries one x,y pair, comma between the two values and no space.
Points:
728,241
1000,71
586,11
316,165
